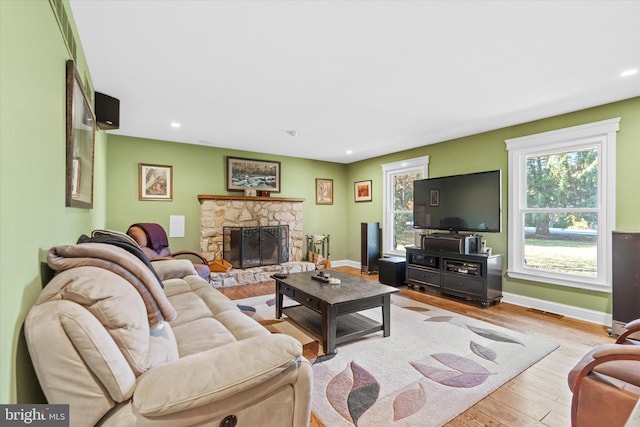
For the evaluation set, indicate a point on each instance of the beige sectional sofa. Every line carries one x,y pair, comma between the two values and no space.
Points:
122,351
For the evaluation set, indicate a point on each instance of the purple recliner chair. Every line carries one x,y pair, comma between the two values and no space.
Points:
155,245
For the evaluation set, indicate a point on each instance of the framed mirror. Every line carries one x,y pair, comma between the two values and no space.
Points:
81,127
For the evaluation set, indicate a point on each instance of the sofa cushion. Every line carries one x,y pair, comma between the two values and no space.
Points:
200,335
117,306
625,371
206,318
190,307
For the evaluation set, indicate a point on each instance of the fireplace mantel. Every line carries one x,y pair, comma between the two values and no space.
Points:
246,198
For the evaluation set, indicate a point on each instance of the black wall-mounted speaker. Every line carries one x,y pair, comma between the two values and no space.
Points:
107,110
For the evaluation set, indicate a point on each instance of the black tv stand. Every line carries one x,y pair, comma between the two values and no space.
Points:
474,277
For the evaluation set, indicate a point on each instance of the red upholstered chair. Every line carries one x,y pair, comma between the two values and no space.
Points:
606,382
154,243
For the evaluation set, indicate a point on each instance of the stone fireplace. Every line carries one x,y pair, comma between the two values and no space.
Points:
218,212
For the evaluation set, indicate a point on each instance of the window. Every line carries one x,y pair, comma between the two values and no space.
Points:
562,205
397,193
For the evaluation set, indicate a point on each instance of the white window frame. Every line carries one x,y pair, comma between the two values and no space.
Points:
600,134
389,170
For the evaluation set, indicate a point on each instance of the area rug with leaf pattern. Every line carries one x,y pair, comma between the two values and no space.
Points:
435,365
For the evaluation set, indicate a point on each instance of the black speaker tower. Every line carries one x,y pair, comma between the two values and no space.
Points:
626,279
370,247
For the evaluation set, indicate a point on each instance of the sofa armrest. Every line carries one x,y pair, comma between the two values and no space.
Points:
200,256
600,355
212,375
617,351
634,324
173,268
630,329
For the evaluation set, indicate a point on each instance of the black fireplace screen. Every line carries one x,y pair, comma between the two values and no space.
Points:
246,247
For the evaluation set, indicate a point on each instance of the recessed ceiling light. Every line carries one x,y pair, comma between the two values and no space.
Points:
175,125
629,72
349,151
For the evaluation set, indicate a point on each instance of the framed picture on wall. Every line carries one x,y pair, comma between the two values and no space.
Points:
362,191
155,182
247,174
80,139
324,191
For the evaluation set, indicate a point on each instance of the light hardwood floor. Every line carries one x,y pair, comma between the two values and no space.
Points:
537,397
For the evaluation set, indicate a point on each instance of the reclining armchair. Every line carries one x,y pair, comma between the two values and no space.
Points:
153,240
123,348
606,382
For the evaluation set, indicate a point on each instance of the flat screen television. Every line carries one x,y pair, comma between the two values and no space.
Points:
470,202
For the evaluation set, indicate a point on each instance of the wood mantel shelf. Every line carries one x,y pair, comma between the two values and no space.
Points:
246,198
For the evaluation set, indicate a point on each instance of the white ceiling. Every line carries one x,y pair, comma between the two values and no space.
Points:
373,77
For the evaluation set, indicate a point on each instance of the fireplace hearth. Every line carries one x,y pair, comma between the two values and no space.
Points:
256,246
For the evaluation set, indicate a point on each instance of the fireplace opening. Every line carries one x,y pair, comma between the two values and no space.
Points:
246,247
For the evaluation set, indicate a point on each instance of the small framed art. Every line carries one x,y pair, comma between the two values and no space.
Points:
362,191
324,191
155,182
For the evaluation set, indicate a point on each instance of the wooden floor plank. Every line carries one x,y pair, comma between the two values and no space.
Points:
497,410
538,397
556,419
474,418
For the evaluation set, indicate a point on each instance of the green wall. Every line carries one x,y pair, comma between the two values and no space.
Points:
33,216
487,151
202,170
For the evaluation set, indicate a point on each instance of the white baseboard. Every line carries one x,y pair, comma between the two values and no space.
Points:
585,314
579,313
345,263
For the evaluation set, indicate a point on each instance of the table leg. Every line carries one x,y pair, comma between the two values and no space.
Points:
279,300
386,315
329,328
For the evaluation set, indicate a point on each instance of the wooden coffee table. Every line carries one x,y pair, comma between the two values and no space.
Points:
330,312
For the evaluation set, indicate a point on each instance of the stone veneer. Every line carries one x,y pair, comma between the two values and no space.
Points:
217,212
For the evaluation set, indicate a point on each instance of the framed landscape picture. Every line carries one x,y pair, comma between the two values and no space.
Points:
155,182
362,191
324,191
260,175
